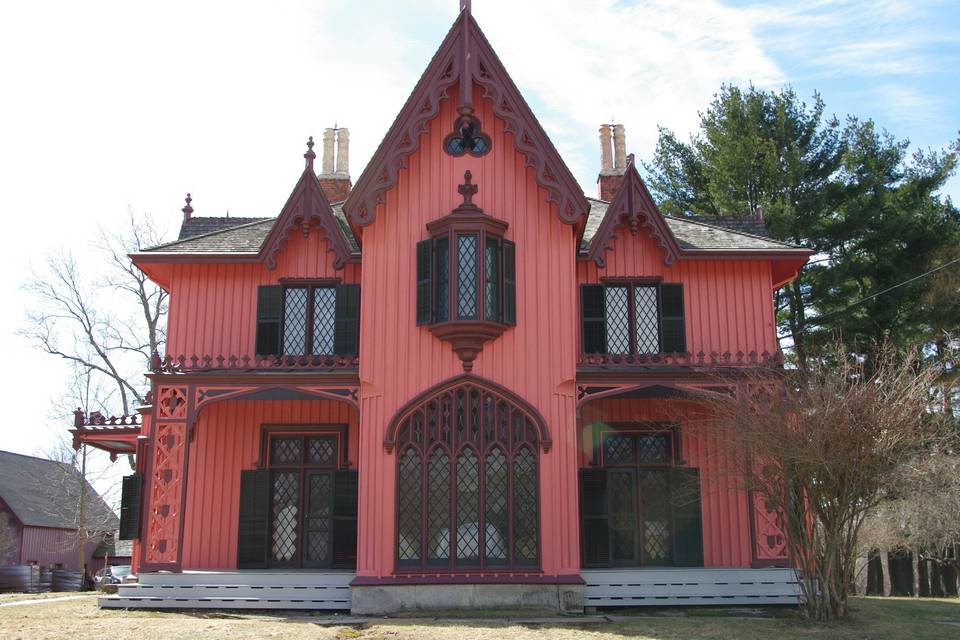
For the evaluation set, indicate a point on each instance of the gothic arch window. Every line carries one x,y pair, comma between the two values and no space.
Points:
467,479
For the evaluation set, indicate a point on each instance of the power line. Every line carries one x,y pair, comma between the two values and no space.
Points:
819,319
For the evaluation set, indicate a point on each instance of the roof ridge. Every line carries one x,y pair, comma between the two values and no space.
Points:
207,235
728,230
24,455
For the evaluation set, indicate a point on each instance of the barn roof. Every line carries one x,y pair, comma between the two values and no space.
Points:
46,493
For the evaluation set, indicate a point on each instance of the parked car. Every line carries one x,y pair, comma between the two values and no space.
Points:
111,575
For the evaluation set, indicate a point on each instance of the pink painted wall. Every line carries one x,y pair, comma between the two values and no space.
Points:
213,307
728,304
724,506
227,442
536,359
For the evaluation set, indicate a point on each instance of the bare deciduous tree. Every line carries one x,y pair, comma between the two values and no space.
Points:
821,448
106,326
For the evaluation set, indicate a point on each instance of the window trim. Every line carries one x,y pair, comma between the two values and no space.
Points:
632,284
451,228
425,450
599,430
311,285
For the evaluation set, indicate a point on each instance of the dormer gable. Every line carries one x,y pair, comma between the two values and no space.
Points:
633,209
306,208
464,59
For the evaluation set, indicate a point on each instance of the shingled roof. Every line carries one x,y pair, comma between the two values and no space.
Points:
697,233
236,235
46,493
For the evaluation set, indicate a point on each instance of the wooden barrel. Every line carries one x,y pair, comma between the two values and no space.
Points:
64,580
16,578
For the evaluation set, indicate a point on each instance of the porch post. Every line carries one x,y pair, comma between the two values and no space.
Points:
167,472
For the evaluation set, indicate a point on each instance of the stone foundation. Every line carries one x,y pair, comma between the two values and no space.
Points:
391,598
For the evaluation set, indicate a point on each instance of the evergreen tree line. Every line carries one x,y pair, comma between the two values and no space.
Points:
871,212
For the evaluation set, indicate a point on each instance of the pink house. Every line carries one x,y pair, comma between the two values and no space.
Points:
459,382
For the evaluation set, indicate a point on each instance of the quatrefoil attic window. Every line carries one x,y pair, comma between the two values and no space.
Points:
466,279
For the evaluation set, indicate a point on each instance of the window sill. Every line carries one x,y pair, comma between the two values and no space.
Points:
467,337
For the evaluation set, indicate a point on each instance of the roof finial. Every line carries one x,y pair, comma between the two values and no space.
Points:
465,6
468,190
310,155
187,210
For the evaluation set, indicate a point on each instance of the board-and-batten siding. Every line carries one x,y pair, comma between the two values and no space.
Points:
213,307
725,510
228,441
48,547
728,304
535,359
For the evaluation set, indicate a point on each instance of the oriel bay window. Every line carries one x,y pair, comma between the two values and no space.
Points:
308,318
466,277
639,505
632,317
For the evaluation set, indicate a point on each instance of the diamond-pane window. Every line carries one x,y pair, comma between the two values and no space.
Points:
619,448
524,507
285,451
324,320
319,501
466,277
295,321
408,515
617,303
470,511
322,450
468,508
438,508
654,448
286,491
647,320
492,280
496,508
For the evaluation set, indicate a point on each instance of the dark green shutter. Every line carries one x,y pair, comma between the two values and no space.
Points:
594,318
269,312
425,282
595,524
687,525
130,507
672,333
345,483
252,534
509,265
346,331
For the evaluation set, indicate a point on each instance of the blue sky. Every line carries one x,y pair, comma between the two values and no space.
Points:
113,106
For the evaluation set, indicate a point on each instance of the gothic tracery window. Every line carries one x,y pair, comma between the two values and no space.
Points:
467,474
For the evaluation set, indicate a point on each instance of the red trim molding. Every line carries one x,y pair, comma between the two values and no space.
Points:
466,56
543,433
633,207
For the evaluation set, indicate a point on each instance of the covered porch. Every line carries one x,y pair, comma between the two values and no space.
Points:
665,517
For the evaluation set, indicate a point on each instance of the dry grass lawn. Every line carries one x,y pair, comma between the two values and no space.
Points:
873,619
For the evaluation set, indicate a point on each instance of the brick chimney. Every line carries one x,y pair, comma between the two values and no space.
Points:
613,160
335,167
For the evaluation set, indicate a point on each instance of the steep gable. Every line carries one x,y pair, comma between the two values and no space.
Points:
464,59
633,209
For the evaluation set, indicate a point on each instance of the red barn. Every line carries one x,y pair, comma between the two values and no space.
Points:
459,382
39,512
